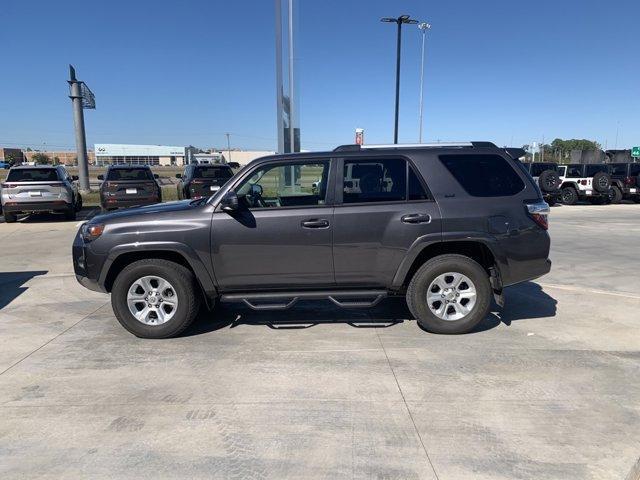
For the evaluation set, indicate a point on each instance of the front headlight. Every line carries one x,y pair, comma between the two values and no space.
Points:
92,231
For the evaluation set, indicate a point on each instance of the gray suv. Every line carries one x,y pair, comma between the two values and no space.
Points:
40,188
448,226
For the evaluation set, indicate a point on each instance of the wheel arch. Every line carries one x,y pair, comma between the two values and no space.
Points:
476,249
124,255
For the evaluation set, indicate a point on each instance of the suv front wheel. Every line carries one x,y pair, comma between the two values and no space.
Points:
155,298
449,294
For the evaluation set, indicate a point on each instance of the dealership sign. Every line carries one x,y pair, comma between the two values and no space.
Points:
121,150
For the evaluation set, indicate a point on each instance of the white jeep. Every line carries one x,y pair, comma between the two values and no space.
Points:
591,182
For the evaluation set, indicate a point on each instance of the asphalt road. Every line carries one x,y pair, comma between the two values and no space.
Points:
546,389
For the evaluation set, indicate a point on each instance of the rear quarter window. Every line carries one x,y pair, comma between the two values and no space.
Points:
483,175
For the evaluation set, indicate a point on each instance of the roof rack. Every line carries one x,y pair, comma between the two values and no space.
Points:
353,148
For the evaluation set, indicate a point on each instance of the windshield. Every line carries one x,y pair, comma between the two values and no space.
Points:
33,175
213,172
140,174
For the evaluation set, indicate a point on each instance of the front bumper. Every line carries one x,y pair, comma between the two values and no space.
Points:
28,207
86,265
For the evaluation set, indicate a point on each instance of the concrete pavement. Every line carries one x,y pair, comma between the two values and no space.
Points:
545,389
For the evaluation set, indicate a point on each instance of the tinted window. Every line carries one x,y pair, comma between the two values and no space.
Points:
634,169
33,175
538,168
591,170
619,169
574,171
141,174
416,190
484,175
292,185
213,172
375,180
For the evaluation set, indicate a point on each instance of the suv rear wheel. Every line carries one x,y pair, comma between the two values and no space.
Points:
10,217
155,298
569,196
616,194
449,294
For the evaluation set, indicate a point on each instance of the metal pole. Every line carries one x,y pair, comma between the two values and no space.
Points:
228,147
423,27
279,80
399,41
81,142
292,100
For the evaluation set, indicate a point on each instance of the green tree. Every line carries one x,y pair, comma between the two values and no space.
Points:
41,158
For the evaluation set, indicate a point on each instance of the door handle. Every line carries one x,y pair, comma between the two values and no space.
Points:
315,223
416,218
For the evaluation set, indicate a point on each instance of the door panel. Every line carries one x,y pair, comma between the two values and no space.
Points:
272,249
370,241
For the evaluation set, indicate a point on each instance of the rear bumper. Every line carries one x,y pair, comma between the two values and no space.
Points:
112,202
54,206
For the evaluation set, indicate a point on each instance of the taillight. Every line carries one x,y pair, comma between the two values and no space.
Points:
539,213
583,182
629,181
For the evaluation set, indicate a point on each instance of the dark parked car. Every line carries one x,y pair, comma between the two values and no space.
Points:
546,175
199,181
128,186
448,226
40,188
625,182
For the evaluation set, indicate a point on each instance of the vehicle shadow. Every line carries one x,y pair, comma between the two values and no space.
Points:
11,284
523,302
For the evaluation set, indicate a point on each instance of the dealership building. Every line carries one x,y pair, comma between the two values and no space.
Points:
120,154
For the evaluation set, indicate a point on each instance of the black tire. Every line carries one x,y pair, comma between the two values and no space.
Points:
10,217
601,182
70,213
427,273
186,290
616,194
569,196
549,181
79,203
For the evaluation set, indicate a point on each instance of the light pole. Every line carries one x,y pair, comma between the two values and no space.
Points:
423,28
228,146
399,21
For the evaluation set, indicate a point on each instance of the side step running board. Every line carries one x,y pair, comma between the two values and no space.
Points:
285,300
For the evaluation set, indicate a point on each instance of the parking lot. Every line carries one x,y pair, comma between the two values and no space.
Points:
546,389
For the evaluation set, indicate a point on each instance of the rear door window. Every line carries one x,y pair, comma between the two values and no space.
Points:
574,171
33,175
124,174
374,180
619,169
483,175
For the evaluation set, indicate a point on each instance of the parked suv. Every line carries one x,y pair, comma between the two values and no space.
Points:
546,176
128,186
590,182
448,226
625,179
199,181
40,188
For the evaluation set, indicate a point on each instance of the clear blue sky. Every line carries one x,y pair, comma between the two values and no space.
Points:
178,73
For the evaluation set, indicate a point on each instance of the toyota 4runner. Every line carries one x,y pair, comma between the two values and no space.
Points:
448,226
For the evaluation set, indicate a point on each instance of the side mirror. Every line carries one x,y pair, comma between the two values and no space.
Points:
74,178
229,202
178,175
100,177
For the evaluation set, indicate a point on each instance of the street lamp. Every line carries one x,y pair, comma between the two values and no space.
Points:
399,21
423,28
